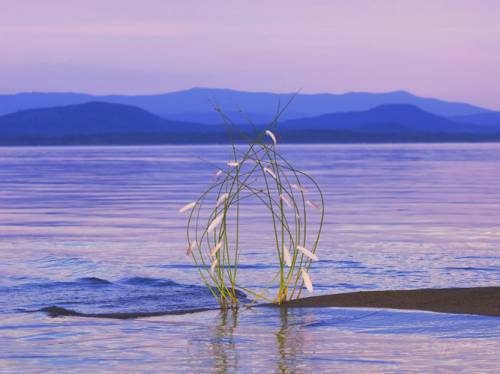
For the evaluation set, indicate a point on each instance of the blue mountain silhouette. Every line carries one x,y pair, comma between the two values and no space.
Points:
106,123
389,118
90,118
483,119
196,104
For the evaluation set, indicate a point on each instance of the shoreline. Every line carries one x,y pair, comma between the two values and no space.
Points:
483,301
205,144
477,300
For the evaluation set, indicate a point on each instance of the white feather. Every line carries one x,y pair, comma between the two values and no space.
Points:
271,135
216,222
299,187
190,248
286,200
307,253
270,172
221,199
212,267
312,204
187,207
287,257
216,248
307,280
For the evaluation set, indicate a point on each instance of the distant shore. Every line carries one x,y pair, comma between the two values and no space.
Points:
478,300
320,138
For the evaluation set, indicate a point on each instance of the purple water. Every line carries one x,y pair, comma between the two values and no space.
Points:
96,230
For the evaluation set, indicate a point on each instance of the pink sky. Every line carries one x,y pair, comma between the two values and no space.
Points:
441,48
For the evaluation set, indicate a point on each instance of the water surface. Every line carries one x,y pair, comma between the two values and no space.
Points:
96,230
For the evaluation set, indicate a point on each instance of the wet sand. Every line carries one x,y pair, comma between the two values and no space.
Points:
479,300
55,311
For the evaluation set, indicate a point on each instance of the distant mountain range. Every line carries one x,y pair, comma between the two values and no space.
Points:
98,123
108,123
90,118
483,119
196,104
385,118
388,123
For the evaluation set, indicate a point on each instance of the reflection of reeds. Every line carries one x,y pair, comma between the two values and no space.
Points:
290,341
223,345
281,337
261,173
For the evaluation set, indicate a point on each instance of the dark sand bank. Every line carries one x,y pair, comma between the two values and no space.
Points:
478,300
55,311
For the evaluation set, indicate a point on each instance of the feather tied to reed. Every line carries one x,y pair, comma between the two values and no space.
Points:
299,187
213,266
307,280
307,253
272,136
216,222
187,207
286,200
190,248
271,173
312,204
222,199
216,248
287,257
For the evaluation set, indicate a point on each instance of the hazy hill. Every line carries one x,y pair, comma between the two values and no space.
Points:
196,104
89,118
483,119
383,119
98,123
105,123
385,123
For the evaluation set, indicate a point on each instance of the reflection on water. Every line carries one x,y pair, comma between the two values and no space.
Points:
256,340
223,345
96,230
289,342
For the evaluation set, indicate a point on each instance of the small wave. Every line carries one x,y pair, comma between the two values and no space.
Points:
471,268
80,282
59,261
150,282
96,297
56,311
93,281
343,264
352,286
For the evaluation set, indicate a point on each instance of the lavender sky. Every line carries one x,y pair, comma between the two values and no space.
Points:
441,48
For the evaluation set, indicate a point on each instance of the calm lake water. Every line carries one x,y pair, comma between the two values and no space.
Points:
96,230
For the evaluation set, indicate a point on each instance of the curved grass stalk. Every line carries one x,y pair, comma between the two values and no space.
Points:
217,241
